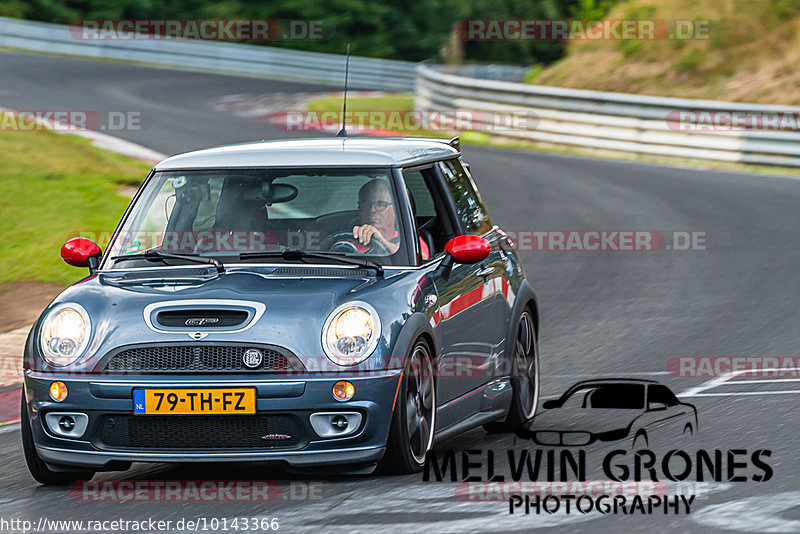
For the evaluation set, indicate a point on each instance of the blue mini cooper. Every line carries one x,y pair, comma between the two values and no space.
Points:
323,302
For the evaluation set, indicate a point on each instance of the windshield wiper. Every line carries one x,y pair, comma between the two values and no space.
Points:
300,255
158,255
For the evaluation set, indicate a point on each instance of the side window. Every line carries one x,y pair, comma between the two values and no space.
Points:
420,195
661,394
471,211
429,224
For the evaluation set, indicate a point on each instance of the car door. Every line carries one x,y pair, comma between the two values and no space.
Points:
434,213
497,269
472,321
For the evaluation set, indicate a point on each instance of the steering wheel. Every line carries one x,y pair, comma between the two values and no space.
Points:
343,242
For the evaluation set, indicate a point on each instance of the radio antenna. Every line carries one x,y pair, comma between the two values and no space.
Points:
343,132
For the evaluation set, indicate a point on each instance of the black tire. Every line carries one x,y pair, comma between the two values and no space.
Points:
411,432
524,379
39,470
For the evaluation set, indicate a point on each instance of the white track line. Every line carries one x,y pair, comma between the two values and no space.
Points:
743,393
764,381
600,375
720,380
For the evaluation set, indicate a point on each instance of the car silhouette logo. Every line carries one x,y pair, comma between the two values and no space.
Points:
252,358
642,413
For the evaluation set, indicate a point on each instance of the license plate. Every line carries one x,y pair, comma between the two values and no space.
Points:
228,401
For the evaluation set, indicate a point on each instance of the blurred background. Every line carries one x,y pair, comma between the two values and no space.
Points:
749,55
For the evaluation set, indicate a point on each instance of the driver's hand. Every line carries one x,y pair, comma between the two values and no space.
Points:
366,232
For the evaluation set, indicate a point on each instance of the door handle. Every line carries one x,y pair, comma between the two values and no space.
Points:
486,271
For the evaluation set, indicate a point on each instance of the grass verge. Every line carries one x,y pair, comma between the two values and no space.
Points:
53,186
735,50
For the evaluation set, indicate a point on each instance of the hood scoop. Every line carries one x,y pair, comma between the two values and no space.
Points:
193,316
205,318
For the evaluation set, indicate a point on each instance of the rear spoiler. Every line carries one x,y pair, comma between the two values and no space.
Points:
455,142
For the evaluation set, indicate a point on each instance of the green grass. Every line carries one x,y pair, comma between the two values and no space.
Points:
400,102
53,187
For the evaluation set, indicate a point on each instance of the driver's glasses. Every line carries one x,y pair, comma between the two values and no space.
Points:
380,205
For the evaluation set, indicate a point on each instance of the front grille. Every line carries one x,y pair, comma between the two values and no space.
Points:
202,432
197,358
567,438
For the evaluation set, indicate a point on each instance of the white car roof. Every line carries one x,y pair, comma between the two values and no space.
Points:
323,152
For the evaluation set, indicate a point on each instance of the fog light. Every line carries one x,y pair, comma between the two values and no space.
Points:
58,391
343,390
67,423
335,425
339,423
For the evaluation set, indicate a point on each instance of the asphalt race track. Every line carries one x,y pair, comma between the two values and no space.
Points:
604,314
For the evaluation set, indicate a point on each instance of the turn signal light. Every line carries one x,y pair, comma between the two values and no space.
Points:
343,390
58,391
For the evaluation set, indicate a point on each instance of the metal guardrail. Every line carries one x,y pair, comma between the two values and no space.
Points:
492,71
615,122
564,117
214,56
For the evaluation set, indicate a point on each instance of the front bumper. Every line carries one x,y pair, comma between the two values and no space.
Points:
295,398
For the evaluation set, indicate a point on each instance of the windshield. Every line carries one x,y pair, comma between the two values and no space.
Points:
223,213
607,396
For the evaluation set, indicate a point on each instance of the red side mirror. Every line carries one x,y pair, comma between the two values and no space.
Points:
81,252
468,248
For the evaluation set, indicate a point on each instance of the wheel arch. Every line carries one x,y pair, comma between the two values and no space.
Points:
428,337
416,326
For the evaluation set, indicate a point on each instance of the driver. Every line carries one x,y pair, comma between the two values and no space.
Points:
377,217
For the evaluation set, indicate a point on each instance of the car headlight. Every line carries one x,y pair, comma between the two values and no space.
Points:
65,334
351,333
